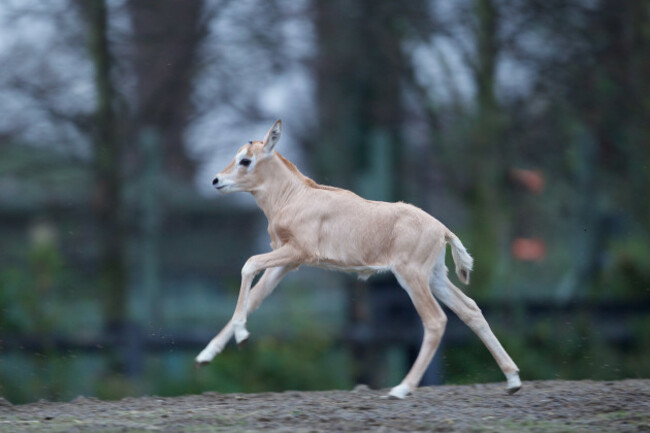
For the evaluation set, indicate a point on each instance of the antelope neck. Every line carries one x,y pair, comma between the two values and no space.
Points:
279,187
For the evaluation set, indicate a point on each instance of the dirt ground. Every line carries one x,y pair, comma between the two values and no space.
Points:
545,406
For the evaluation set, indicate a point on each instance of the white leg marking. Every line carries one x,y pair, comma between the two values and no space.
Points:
400,391
514,383
205,356
216,345
241,334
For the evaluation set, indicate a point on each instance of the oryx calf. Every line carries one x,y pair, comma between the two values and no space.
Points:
332,228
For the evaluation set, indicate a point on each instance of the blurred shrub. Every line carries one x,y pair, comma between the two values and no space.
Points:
556,348
307,362
627,273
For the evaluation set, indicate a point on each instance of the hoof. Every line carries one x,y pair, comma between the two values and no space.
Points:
241,336
241,344
399,392
199,364
514,383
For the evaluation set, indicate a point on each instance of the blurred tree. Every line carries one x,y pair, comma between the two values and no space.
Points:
591,71
167,37
551,87
359,68
466,119
487,164
108,200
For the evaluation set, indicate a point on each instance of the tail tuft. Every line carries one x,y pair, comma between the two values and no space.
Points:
462,259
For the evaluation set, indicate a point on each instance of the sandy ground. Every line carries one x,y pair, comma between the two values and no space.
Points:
545,406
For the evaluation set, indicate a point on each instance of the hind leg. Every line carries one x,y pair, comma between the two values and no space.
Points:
467,310
433,320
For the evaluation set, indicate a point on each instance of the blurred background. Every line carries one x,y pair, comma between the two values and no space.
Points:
522,126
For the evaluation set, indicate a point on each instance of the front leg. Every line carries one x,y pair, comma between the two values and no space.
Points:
261,290
283,256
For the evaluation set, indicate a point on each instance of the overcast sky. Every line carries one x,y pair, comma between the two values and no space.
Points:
34,48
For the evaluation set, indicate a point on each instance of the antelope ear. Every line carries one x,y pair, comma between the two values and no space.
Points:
272,137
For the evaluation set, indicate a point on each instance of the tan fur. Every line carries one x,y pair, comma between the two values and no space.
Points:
328,227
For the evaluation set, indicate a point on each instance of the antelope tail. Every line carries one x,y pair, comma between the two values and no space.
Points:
462,259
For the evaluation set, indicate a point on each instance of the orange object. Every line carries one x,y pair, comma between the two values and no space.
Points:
528,249
533,180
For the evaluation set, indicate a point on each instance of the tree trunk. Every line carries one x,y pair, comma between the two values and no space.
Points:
486,161
108,180
359,69
167,35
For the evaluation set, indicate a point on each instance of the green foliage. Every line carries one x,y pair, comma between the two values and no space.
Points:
628,272
14,300
559,347
25,376
307,362
26,291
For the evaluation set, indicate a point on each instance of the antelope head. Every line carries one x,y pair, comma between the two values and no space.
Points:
242,174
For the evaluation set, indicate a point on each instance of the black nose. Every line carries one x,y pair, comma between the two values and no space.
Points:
215,181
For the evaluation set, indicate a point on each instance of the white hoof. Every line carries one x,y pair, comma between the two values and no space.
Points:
514,383
241,335
399,391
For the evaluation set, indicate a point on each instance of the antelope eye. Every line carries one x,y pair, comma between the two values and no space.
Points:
245,162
